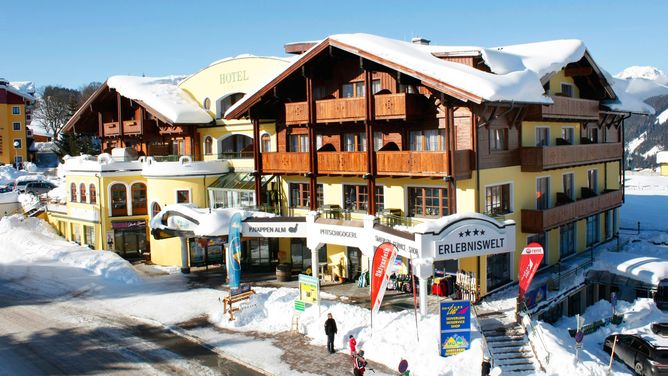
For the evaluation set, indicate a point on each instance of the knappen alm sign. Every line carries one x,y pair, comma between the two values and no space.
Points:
477,235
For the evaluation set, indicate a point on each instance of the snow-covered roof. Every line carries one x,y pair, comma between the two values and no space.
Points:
242,56
662,157
27,87
146,166
163,95
648,269
20,88
206,222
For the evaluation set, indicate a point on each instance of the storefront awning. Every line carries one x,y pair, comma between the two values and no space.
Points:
239,181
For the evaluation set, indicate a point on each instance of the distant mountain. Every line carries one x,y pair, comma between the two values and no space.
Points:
644,136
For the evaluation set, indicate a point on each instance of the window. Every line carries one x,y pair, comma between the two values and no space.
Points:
592,134
178,147
93,194
568,187
16,110
377,140
17,143
16,126
182,196
593,232
592,180
497,200
73,192
119,200
566,240
498,139
498,270
354,141
427,140
301,255
566,90
542,136
266,143
541,239
356,198
543,193
82,193
139,198
18,160
155,209
299,195
208,145
568,134
236,146
356,89
427,202
89,236
408,89
299,143
228,101
207,103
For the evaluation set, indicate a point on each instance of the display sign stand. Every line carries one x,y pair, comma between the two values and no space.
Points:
244,292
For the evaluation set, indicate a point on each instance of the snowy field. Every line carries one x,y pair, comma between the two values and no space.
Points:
35,258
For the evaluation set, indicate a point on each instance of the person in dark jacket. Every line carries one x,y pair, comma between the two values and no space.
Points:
359,364
330,330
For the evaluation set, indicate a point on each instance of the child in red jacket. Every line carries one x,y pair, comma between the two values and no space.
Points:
352,343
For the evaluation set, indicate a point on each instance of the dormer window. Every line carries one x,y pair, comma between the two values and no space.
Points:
566,90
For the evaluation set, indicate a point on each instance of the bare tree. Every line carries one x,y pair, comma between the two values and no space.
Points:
55,106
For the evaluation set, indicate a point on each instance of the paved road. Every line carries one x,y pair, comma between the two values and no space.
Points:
41,335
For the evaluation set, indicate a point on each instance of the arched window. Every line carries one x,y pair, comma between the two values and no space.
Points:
208,145
207,103
93,194
138,198
82,192
225,103
73,192
119,200
266,143
155,209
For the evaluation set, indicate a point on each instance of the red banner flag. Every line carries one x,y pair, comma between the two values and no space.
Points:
530,260
383,257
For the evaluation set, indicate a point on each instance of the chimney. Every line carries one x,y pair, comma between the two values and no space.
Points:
420,40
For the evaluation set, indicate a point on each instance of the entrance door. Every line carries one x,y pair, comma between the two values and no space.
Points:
129,242
354,263
498,270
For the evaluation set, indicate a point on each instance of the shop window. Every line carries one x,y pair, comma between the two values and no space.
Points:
266,143
301,256
93,194
498,270
427,140
566,240
259,252
427,202
82,193
119,200
89,236
138,198
497,200
183,196
208,145
299,195
498,139
73,192
356,198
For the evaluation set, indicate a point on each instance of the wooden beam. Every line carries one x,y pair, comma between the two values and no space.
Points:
120,117
371,154
257,161
578,71
313,157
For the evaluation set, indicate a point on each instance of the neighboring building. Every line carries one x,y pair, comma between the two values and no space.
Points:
662,161
16,103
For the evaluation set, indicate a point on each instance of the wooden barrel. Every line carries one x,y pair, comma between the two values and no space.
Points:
283,272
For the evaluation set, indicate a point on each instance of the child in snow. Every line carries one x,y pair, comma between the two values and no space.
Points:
359,364
352,343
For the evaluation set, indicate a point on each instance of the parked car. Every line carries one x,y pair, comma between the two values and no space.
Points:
661,294
38,187
645,354
5,189
660,329
20,183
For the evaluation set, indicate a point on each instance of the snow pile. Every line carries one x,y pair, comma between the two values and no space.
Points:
393,336
163,95
662,118
662,157
8,174
45,147
30,242
58,194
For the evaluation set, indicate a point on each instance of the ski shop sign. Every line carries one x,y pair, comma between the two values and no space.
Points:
467,237
455,327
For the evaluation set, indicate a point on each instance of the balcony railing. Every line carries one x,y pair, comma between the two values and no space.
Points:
285,162
236,155
111,128
412,163
549,157
387,106
572,108
342,162
131,127
538,221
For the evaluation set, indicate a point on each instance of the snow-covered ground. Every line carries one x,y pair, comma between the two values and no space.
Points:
36,258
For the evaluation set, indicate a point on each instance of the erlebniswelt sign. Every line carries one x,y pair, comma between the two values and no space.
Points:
274,229
470,237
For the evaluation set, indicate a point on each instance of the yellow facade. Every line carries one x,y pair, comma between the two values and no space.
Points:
8,136
560,78
664,169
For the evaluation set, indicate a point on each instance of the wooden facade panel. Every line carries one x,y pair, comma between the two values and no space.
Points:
285,163
132,127
111,129
338,110
412,163
566,108
463,122
466,60
342,162
499,158
551,157
296,113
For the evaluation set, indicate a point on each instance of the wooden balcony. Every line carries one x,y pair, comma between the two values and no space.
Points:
111,129
567,108
412,163
550,157
537,221
285,163
387,107
463,164
343,163
131,127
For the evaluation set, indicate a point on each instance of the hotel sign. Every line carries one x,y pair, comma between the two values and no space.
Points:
231,77
471,237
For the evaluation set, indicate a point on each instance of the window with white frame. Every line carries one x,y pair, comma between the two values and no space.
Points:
16,126
16,110
354,141
299,143
497,199
568,135
183,196
498,139
592,180
542,136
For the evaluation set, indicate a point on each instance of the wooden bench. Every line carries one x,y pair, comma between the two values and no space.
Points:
229,300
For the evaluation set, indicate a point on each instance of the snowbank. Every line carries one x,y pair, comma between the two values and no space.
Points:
8,174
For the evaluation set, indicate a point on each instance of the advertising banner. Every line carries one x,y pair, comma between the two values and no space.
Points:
244,287
234,251
383,257
309,289
455,327
530,260
535,296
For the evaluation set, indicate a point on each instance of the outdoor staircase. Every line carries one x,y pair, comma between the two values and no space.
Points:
508,345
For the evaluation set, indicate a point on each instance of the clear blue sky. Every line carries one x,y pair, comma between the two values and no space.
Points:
71,43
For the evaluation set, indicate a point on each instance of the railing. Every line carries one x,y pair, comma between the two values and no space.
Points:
342,109
538,221
236,155
571,108
412,163
296,113
285,162
526,322
111,128
342,162
536,159
395,220
131,127
485,345
555,281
